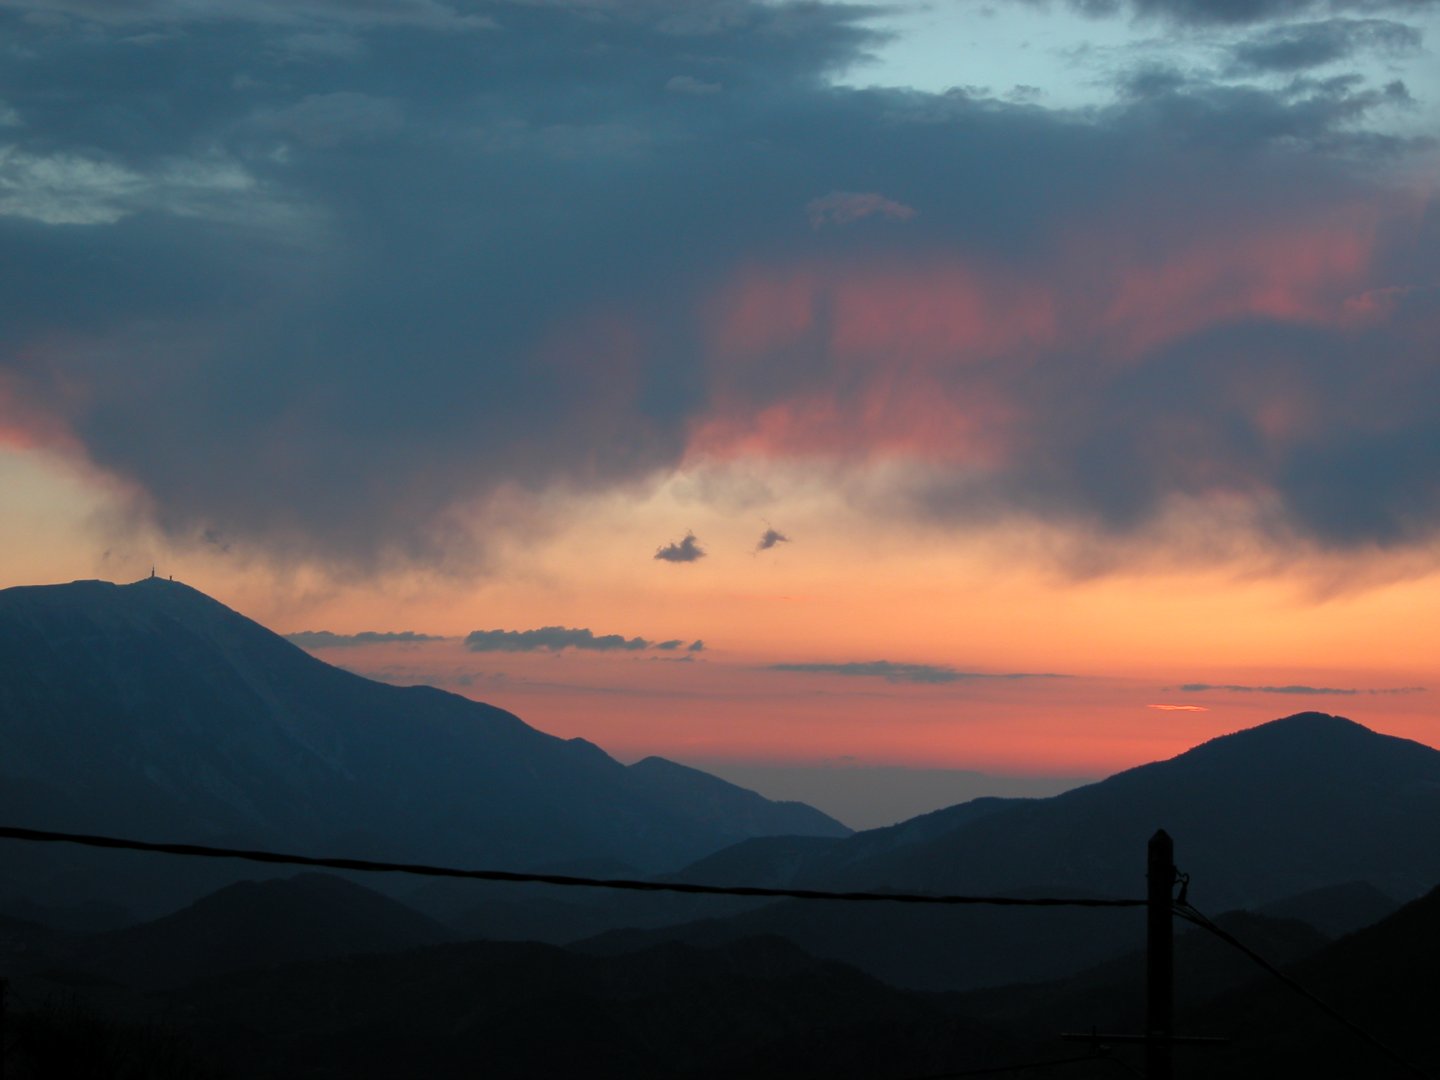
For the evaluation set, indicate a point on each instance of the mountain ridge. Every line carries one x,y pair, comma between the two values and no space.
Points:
161,712
1258,816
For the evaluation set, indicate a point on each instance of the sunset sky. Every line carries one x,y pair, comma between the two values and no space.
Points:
876,404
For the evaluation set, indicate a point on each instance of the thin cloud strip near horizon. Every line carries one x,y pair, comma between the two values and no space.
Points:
908,673
559,638
324,639
1200,688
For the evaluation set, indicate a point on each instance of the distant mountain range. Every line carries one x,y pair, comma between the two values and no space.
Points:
1258,817
152,710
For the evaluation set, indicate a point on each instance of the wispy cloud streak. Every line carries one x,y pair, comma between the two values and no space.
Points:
324,639
1298,689
905,673
552,639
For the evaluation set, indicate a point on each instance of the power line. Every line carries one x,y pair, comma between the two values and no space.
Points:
1192,915
372,866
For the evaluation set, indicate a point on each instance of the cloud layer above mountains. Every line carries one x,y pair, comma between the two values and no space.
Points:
344,282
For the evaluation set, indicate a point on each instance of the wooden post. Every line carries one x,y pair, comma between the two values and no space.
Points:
1159,957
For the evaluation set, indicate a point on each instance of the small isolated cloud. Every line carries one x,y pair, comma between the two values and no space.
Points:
676,644
903,673
324,639
551,639
1179,708
687,550
770,539
691,86
847,207
1231,688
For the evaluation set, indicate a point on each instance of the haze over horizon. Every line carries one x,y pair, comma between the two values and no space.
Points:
938,400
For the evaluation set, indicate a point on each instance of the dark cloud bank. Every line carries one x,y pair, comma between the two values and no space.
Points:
376,264
1240,12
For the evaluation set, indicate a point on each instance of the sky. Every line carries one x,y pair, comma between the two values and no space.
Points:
875,404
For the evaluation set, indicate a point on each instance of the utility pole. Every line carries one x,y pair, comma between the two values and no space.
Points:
1159,957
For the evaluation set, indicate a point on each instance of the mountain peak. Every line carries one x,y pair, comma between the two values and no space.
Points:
1313,720
1299,733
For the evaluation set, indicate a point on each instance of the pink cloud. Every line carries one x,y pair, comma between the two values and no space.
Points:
941,357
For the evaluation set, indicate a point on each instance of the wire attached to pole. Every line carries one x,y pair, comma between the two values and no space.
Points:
1192,915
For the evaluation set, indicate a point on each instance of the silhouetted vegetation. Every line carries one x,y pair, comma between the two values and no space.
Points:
63,1039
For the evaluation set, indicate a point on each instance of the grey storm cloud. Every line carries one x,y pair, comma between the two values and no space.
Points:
381,262
1298,47
551,639
1198,688
1239,12
903,673
170,14
324,639
685,550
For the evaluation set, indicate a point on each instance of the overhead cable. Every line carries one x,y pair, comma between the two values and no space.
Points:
564,880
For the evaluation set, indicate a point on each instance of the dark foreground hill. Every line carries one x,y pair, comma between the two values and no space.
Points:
154,711
251,924
1382,978
756,1008
751,1007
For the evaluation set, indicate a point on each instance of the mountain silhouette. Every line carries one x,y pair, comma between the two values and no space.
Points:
753,1008
1266,813
1259,816
1381,977
154,711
